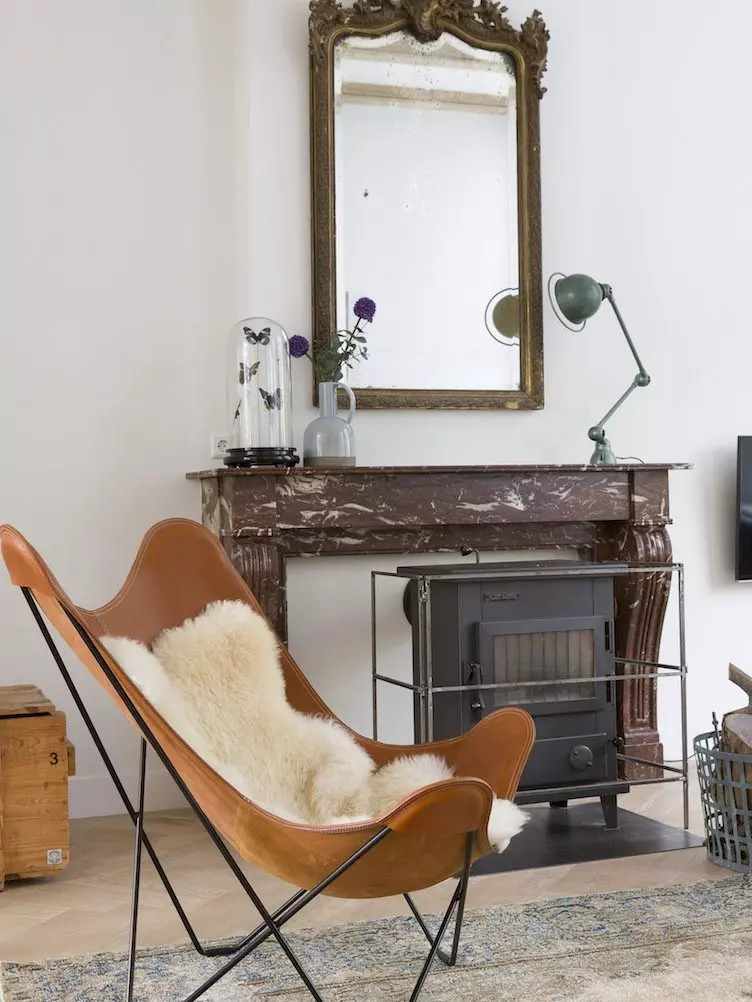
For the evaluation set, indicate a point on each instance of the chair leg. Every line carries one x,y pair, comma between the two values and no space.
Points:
434,948
464,884
458,899
137,871
85,716
283,915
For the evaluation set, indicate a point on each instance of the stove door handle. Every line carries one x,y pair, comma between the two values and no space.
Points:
476,673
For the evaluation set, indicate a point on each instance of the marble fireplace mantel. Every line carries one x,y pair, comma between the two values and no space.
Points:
265,516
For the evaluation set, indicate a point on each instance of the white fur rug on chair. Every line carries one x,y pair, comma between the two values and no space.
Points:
218,683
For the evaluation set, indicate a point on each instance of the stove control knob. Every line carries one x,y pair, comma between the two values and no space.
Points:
581,757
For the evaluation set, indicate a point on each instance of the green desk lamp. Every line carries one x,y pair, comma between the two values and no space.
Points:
575,299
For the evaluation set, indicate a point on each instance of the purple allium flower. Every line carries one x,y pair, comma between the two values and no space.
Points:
298,346
365,309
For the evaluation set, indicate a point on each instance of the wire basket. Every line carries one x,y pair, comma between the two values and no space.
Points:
726,794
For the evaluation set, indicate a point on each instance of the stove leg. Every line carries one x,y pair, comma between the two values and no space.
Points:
610,812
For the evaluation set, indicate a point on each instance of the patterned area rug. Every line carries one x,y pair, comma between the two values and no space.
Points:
674,944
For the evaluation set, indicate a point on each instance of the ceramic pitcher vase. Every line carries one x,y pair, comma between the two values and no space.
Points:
329,439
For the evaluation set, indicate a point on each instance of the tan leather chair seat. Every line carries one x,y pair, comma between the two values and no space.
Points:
179,569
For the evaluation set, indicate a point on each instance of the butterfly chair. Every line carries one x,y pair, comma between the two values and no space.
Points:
433,834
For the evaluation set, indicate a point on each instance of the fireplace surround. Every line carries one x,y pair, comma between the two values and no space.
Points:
620,514
264,517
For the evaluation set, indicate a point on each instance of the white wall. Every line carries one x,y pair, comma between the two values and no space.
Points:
116,290
146,205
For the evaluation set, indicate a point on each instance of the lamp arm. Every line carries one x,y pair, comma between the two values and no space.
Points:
632,387
597,433
608,294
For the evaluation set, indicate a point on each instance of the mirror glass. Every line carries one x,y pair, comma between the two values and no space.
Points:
425,158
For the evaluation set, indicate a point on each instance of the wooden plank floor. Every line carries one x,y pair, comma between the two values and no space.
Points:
85,909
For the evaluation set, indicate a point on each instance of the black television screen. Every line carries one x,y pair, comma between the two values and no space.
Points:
744,509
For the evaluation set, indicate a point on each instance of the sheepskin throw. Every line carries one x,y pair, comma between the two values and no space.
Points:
218,683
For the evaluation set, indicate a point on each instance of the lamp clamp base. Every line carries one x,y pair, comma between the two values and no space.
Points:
603,454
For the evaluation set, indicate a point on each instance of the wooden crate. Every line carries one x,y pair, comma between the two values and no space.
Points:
35,762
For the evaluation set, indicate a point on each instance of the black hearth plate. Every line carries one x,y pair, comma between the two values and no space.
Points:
557,837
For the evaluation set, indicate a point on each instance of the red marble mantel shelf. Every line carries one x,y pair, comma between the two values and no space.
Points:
381,500
266,516
228,471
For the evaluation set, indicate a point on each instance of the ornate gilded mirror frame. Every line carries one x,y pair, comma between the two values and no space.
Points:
482,24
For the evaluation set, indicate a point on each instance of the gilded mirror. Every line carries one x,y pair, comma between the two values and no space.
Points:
426,198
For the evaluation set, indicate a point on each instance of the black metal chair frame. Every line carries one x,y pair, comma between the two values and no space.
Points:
272,921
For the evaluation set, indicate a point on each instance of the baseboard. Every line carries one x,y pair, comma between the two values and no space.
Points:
96,796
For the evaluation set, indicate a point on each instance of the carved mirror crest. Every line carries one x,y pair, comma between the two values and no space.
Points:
426,197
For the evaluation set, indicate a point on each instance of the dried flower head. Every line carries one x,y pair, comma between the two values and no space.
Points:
298,346
365,309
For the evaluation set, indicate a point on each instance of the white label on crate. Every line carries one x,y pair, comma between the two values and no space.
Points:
54,857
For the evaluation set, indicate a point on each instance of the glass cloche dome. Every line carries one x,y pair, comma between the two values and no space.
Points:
259,395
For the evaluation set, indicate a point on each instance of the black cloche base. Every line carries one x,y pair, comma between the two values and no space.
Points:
261,457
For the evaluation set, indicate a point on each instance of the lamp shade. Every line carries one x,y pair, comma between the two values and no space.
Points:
578,297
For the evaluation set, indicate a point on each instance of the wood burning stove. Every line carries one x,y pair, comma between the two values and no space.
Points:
542,635
537,635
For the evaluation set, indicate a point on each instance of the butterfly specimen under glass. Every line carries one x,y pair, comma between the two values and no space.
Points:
247,372
263,336
272,401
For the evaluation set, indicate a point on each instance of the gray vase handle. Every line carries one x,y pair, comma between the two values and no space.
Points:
351,398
